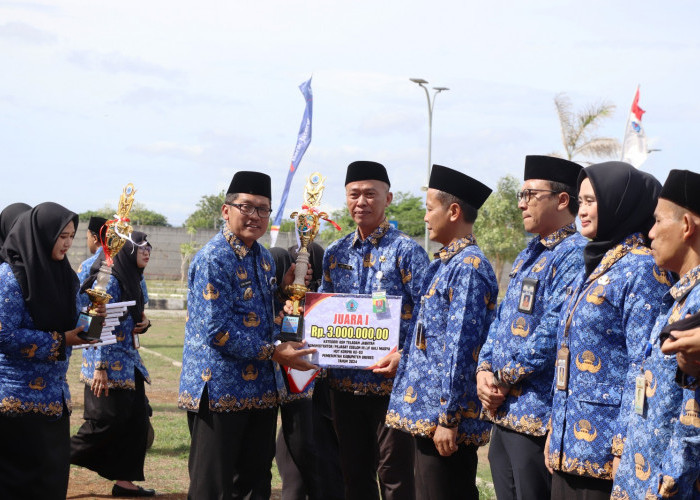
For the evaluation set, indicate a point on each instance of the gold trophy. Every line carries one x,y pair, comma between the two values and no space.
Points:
307,225
114,234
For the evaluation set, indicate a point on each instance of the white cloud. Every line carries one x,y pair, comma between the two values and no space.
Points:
24,33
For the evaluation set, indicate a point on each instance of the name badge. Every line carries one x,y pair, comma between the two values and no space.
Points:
640,388
379,302
527,295
562,368
347,267
245,284
420,336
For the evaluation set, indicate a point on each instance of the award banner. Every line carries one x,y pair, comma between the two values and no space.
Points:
351,330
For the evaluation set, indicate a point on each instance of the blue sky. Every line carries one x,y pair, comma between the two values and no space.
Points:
176,96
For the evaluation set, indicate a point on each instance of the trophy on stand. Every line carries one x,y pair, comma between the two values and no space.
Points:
307,223
114,234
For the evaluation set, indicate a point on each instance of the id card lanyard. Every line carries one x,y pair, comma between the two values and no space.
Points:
379,294
564,354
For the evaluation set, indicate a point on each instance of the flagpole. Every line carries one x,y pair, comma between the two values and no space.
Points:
629,117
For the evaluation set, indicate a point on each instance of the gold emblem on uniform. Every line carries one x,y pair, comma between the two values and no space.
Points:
332,263
251,319
116,366
473,260
475,353
241,273
660,276
327,276
639,463
210,292
650,389
407,312
206,374
406,276
640,250
668,487
540,265
411,395
29,351
520,327
382,258
37,384
470,411
369,260
584,431
586,362
265,265
597,295
248,294
450,293
432,289
516,267
691,415
221,338
120,336
249,373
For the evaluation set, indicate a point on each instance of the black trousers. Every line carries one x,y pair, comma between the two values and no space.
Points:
574,487
34,457
517,465
307,449
369,449
231,453
113,439
445,478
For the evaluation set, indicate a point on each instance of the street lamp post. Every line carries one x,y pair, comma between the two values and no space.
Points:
431,105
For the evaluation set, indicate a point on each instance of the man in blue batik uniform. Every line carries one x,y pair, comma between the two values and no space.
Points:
227,383
661,456
373,258
516,364
434,396
94,244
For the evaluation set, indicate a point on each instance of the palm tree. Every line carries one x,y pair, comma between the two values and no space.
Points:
577,129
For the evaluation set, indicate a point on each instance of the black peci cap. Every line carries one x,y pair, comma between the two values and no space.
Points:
462,186
366,171
251,183
551,168
96,223
682,188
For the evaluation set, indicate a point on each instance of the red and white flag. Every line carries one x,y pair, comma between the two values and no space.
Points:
634,145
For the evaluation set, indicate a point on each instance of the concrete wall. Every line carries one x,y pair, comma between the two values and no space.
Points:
165,260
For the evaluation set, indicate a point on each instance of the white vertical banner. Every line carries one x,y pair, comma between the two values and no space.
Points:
634,145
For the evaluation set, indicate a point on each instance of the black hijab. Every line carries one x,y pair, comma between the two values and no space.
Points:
7,219
626,201
127,272
48,286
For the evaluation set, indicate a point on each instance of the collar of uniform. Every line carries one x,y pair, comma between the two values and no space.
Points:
239,248
685,284
558,236
446,253
633,243
376,235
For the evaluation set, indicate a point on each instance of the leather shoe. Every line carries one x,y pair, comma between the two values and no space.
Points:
120,491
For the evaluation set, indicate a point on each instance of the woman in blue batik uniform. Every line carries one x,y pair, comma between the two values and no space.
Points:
603,327
38,292
113,439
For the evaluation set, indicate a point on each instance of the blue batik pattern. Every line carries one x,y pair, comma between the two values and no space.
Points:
523,345
229,328
351,265
435,383
618,305
661,457
84,268
33,363
120,360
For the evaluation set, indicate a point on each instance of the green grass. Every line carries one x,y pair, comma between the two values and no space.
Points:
166,461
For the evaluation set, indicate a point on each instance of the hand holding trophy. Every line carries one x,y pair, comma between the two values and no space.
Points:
114,234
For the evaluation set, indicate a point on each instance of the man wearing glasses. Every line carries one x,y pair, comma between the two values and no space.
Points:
227,384
516,364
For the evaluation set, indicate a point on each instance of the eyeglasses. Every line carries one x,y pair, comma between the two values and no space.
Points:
145,249
526,194
263,212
